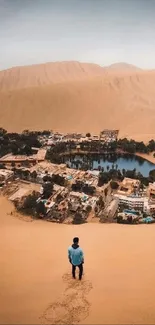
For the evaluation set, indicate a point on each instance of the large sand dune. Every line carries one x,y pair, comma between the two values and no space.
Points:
35,282
46,74
79,97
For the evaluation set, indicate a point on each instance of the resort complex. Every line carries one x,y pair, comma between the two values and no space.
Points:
42,184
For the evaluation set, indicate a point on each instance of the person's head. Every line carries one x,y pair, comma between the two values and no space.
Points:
75,240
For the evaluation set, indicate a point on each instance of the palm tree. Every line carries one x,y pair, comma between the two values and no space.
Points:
123,172
106,191
34,175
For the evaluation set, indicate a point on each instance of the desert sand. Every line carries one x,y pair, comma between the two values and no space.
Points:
82,97
150,157
35,282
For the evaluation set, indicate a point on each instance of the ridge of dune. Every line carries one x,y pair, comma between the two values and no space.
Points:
124,66
123,69
57,72
46,74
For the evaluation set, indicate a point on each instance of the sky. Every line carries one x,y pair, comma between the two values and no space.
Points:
97,31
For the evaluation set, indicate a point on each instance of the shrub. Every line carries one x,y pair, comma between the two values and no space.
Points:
40,208
114,185
29,204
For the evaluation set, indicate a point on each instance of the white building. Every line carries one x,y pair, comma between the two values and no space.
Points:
134,202
5,174
95,137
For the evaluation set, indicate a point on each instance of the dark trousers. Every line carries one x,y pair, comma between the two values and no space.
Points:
80,270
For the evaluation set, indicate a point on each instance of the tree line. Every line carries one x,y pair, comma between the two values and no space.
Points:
19,143
16,143
118,175
57,152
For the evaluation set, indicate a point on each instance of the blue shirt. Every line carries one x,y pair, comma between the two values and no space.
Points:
75,255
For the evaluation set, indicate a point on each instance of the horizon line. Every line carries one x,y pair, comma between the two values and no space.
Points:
82,62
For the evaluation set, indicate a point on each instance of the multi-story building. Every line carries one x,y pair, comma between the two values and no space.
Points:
109,135
136,202
133,202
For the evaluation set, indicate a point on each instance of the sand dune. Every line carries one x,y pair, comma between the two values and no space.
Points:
35,282
58,72
124,67
46,74
79,97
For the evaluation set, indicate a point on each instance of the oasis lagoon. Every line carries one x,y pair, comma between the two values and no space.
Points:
95,162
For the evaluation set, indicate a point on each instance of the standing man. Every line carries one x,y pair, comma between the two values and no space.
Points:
76,257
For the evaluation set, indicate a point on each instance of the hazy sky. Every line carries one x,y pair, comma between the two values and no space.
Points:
99,31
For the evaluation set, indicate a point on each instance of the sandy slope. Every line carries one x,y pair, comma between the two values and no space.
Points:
150,157
57,72
46,74
79,97
35,284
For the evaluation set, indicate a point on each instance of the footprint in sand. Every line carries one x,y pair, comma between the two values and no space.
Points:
72,307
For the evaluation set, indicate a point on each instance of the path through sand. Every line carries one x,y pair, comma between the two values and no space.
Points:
35,282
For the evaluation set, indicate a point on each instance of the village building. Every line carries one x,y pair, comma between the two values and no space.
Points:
58,137
128,186
19,194
131,201
6,175
151,191
19,159
137,203
95,137
109,135
65,199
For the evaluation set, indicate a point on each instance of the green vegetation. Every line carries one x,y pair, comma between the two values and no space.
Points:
152,175
59,180
47,190
29,204
114,185
78,218
40,209
80,186
22,144
88,208
57,153
120,146
117,175
105,177
18,144
55,178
